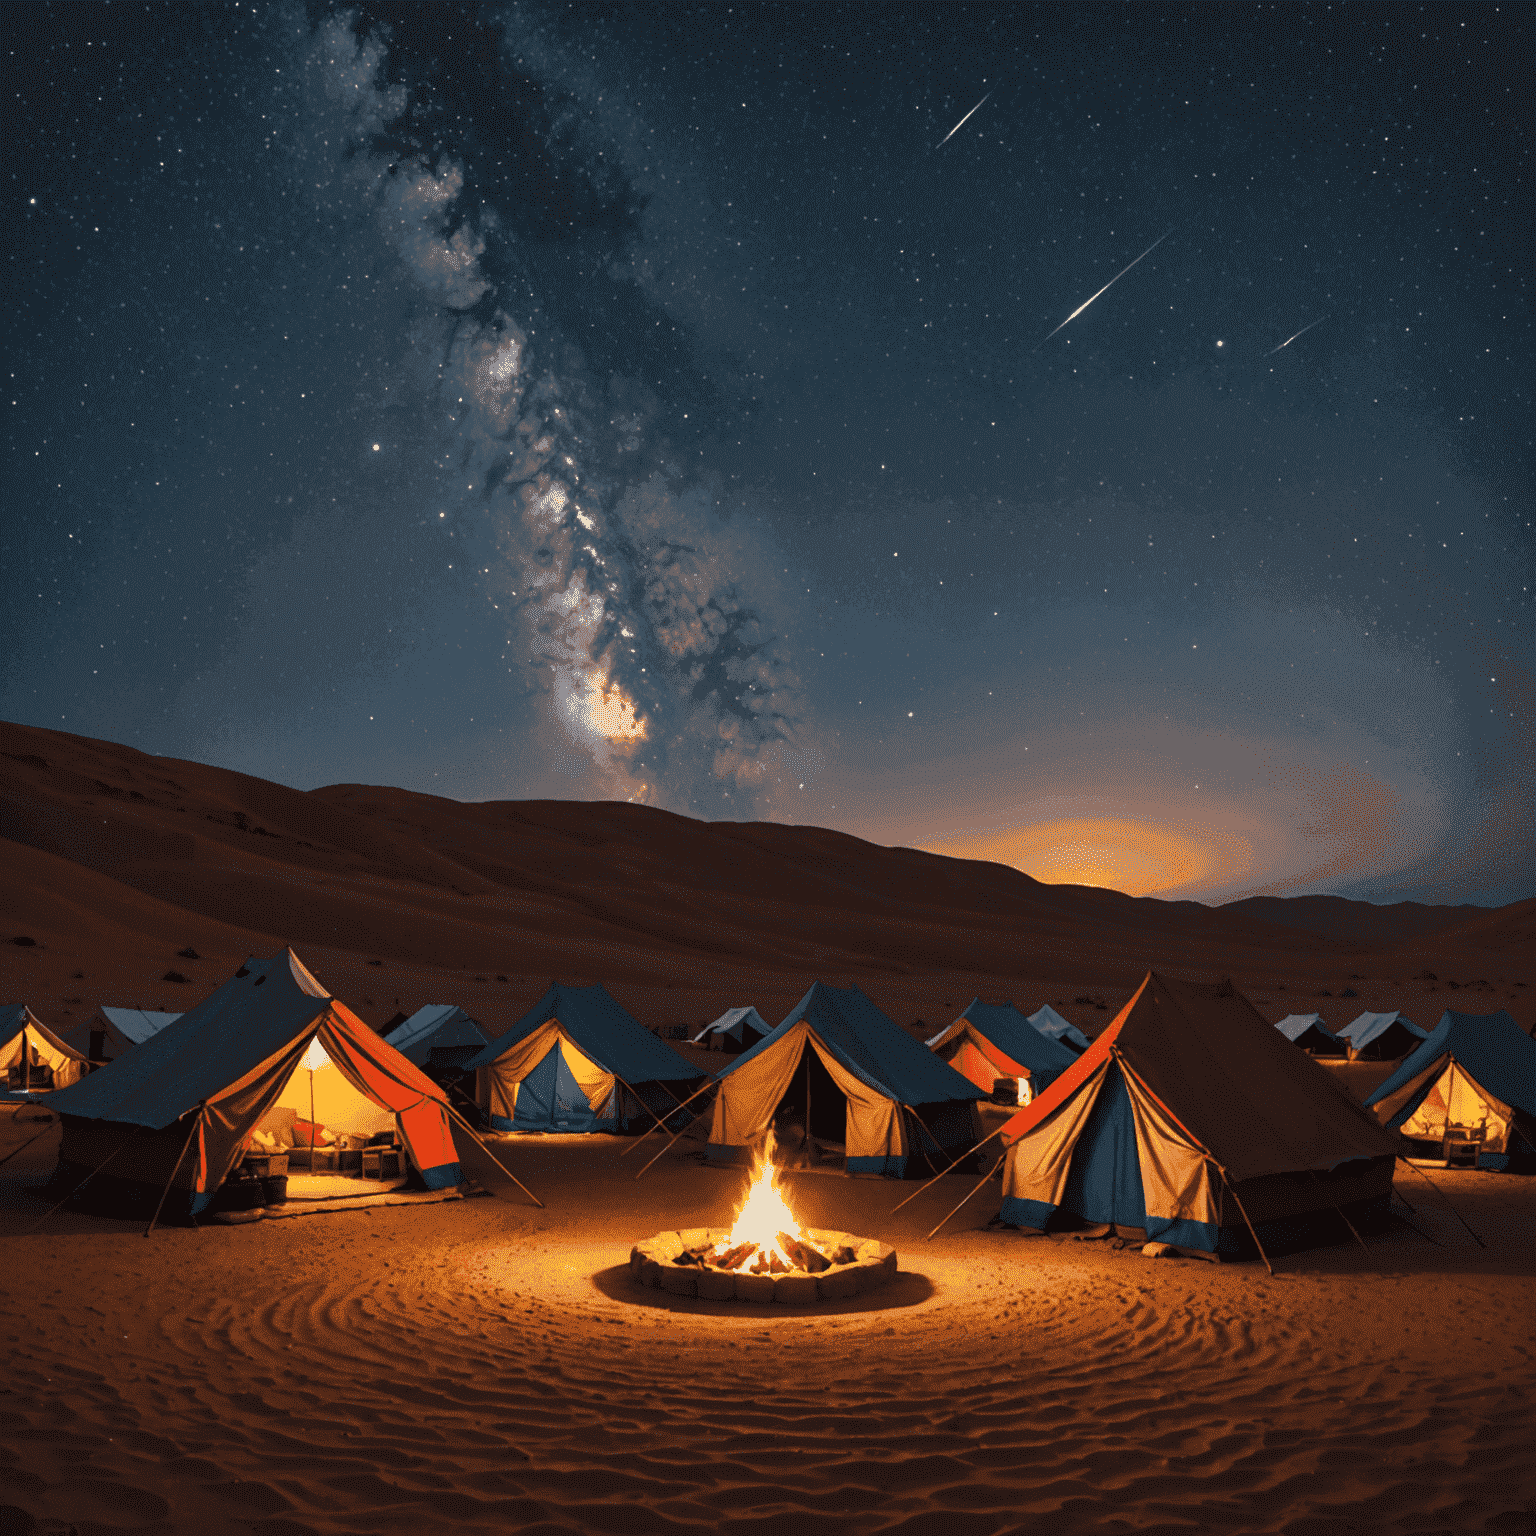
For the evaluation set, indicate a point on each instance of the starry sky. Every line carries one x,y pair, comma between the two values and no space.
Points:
724,407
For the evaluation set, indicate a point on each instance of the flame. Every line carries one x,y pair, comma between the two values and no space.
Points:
764,1214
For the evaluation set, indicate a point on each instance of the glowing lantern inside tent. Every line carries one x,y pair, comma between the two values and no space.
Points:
313,1059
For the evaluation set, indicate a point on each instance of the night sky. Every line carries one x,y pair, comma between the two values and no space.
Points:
618,401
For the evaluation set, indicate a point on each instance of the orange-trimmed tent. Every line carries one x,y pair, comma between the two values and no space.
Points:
1193,1122
176,1112
986,1043
32,1057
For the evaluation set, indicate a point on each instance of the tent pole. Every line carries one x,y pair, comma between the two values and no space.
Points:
643,1105
689,1100
177,1169
670,1144
1256,1243
481,1140
987,1175
1457,1214
935,1179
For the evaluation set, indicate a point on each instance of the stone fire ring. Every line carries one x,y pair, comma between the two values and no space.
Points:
651,1264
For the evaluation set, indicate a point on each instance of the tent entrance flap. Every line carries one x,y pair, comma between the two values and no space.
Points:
1104,1180
550,1098
811,1084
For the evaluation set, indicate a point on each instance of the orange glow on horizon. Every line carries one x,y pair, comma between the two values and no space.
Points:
1135,857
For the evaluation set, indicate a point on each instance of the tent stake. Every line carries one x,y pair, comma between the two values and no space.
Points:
673,1139
177,1169
1256,1243
78,1187
935,1179
480,1140
987,1175
27,1143
689,1100
1457,1214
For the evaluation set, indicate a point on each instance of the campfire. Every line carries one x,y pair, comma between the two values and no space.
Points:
765,1256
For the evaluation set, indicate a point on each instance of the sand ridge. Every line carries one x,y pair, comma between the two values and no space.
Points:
486,1365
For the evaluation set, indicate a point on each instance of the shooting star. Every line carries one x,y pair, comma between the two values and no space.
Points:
963,121
1107,286
1289,339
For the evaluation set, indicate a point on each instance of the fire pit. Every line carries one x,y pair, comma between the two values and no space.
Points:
766,1256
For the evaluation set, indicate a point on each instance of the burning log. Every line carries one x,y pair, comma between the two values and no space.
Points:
802,1255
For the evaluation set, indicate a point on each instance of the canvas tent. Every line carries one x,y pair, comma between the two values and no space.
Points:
854,1078
1187,1120
1051,1023
1380,1036
33,1058
577,1061
1468,1090
733,1031
111,1031
1309,1032
987,1043
440,1038
175,1113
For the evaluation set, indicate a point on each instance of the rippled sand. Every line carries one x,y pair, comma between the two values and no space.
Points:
485,1365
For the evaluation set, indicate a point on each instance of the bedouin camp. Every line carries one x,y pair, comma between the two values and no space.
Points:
111,1031
440,1038
577,1061
1308,1031
733,1032
172,1117
1049,1022
1380,1036
1193,1122
33,1058
990,1044
1467,1094
856,1084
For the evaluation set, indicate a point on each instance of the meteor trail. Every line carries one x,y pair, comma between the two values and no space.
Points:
1289,339
1107,286
963,121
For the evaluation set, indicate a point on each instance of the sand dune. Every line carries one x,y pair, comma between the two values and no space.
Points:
483,1364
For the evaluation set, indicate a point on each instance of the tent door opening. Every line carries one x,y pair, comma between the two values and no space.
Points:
549,1098
813,1115
1104,1180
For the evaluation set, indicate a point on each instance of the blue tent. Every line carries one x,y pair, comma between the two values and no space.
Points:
1185,1121
853,1075
1309,1032
440,1036
1051,1023
1380,1036
734,1030
577,1061
111,1031
1011,1033
1470,1088
175,1112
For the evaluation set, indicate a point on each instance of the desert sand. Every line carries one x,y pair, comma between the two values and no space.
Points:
482,1363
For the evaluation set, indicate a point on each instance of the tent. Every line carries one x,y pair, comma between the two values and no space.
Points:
175,1113
1470,1088
577,1062
1051,1023
1309,1032
987,1043
438,1038
733,1031
853,1077
111,1031
32,1057
1188,1120
1380,1036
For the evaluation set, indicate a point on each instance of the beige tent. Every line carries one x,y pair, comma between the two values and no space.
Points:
32,1056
